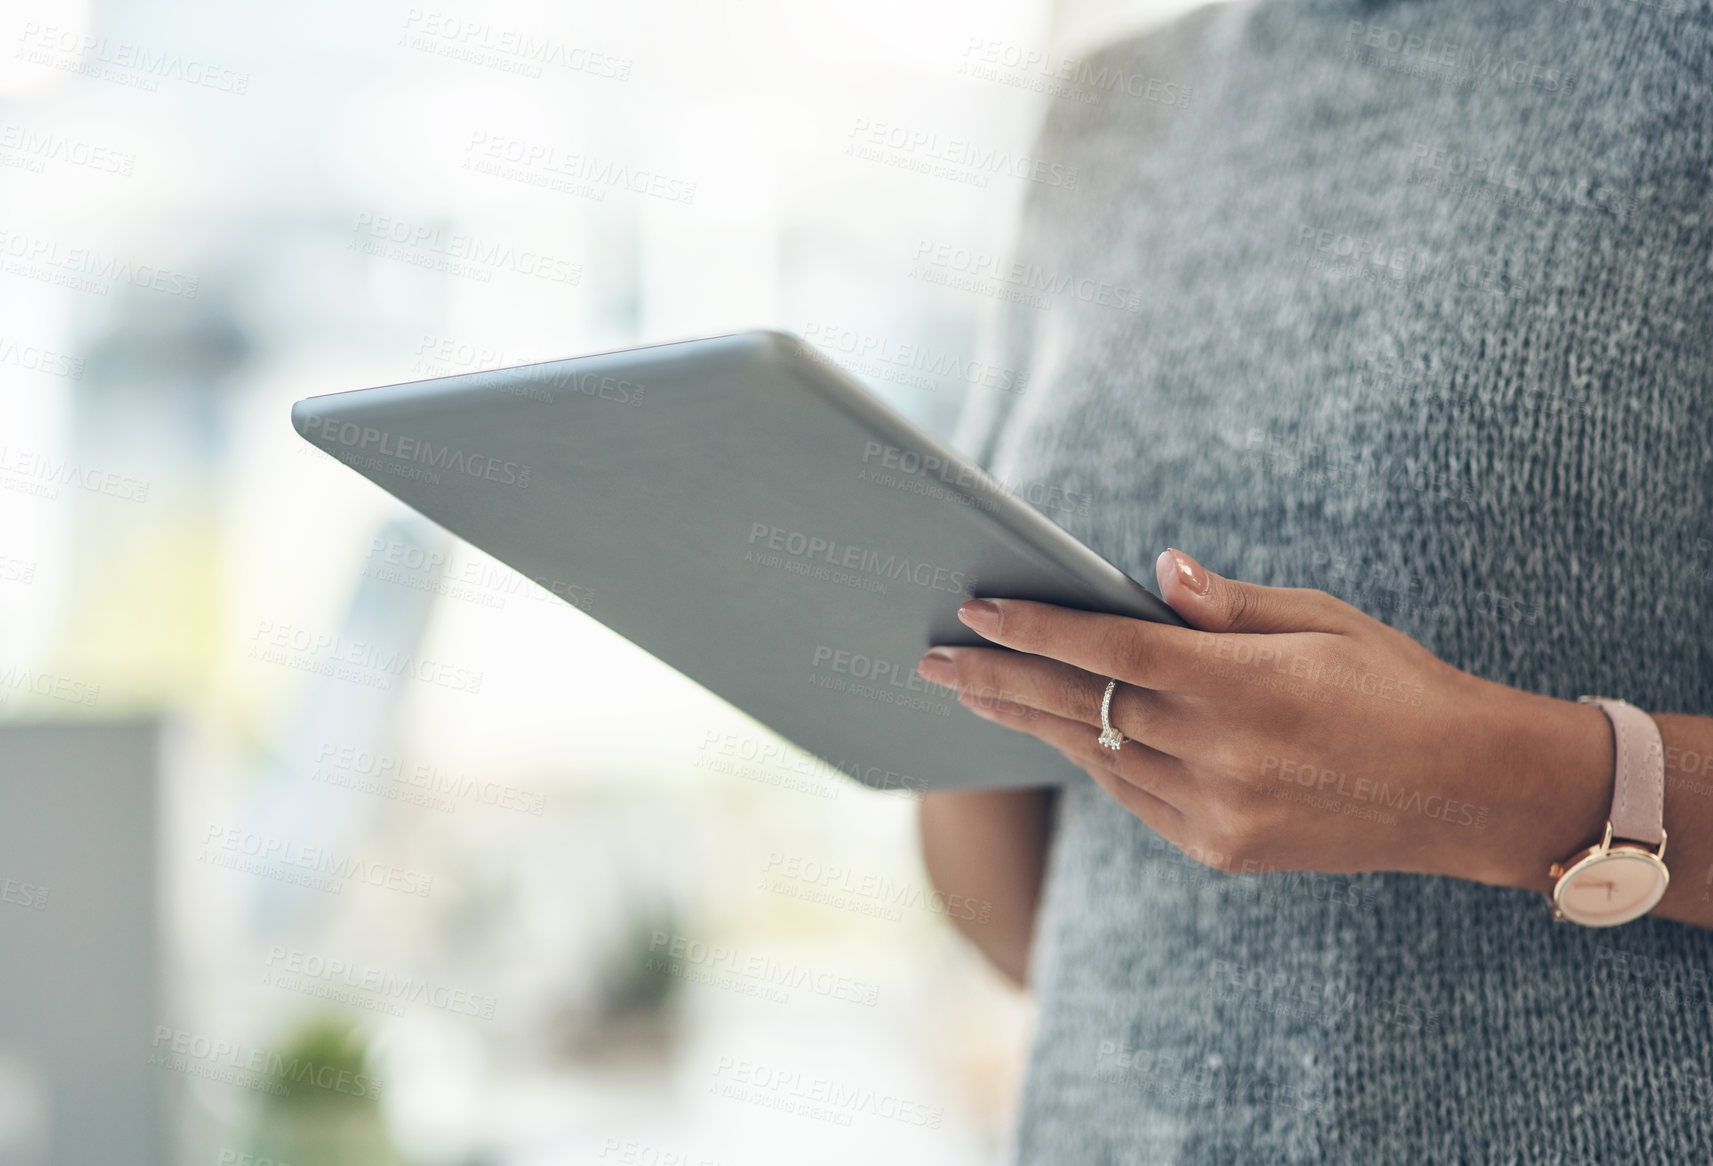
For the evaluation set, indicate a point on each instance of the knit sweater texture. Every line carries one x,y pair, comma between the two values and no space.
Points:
1412,302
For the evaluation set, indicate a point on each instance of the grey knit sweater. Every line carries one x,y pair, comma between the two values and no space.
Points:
1412,302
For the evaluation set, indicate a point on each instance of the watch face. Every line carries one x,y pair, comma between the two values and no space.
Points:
1613,888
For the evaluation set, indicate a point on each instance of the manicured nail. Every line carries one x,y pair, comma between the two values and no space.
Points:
982,615
1189,571
938,667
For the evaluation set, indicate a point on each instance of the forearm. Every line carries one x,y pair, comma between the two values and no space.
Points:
1556,758
987,848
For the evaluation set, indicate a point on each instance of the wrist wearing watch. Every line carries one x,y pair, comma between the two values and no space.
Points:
1623,876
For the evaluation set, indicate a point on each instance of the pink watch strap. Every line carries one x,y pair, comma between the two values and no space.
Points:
1638,785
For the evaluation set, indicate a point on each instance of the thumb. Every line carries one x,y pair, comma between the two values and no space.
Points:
1213,603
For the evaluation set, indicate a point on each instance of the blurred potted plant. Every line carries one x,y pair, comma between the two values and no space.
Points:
321,1100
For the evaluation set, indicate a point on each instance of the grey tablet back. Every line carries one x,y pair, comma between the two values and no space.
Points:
745,511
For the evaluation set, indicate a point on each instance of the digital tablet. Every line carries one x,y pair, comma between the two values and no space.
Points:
744,510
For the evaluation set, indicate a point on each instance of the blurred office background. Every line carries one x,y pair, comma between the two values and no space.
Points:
326,839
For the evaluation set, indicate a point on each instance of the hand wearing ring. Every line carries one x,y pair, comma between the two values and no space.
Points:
1285,729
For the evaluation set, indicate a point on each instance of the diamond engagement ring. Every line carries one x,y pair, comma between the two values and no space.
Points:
1109,736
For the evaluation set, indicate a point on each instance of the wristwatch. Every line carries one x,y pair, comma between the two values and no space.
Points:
1617,881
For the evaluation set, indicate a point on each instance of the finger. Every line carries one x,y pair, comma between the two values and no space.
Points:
1148,655
1214,603
1135,766
995,675
1157,814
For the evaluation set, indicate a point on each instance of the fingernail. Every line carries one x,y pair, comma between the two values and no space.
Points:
938,667
1189,571
982,615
